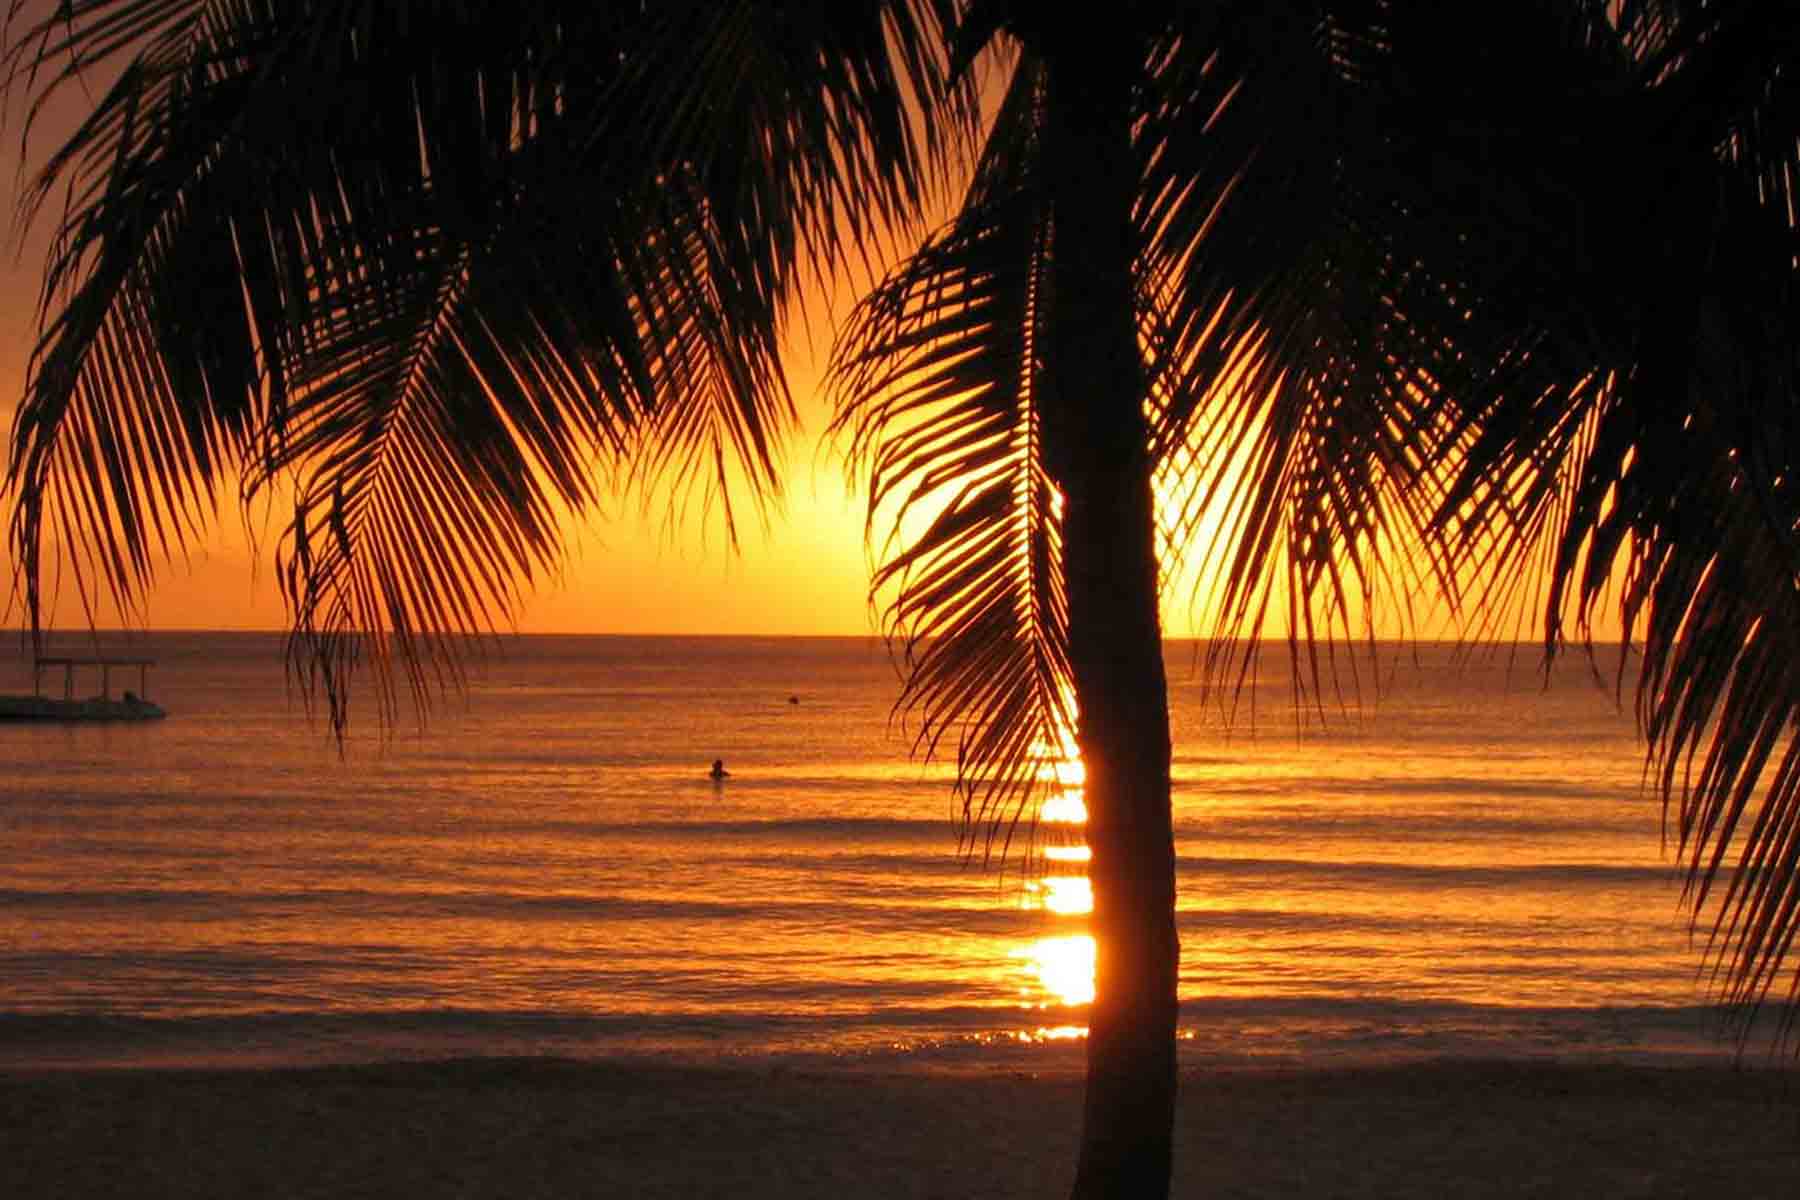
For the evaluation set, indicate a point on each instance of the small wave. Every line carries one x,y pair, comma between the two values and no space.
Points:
1310,1029
830,830
1433,875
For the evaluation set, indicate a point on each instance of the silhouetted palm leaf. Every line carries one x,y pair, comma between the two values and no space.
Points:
1292,380
937,378
1631,419
1539,326
476,283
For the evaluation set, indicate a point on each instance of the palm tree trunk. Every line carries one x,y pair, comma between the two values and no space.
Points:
1096,437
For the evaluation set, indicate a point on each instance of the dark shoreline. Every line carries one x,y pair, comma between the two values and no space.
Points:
553,1127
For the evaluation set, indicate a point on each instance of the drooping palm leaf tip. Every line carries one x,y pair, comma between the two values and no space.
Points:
1635,430
936,382
1290,339
429,280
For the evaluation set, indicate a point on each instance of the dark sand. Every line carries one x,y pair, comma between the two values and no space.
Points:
548,1128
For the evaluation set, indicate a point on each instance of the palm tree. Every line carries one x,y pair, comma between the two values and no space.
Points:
1404,316
1379,334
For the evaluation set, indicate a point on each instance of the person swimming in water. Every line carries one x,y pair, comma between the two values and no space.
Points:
718,769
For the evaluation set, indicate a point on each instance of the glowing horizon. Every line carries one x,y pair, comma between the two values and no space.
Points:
806,571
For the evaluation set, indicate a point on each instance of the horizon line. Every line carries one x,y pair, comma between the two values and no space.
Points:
1271,642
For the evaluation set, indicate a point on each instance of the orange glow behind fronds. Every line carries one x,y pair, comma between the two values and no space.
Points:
629,568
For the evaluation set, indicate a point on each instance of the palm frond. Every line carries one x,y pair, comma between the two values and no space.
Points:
1297,344
1542,326
442,273
233,260
1644,423
937,379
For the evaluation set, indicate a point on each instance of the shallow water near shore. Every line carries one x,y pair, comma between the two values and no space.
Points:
1464,863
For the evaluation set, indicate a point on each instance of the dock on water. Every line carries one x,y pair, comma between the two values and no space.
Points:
132,706
106,664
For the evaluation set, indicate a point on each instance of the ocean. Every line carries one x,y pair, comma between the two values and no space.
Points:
1462,862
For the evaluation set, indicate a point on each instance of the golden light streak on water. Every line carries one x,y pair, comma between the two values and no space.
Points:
1061,764
1065,808
1064,966
1066,895
1053,1033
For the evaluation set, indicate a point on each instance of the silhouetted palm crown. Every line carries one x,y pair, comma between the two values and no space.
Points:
1502,316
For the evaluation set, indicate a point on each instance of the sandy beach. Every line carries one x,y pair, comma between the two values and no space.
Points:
543,1128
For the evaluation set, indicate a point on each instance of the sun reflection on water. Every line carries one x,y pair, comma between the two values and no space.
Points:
1066,895
1051,1033
1065,808
1063,965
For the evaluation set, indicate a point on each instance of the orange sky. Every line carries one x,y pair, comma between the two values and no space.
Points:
625,572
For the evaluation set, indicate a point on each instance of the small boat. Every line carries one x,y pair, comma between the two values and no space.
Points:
131,706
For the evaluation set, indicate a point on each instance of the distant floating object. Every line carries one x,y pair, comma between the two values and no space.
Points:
793,699
39,707
95,708
718,770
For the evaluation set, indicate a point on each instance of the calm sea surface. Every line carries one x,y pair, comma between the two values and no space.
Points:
1467,865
